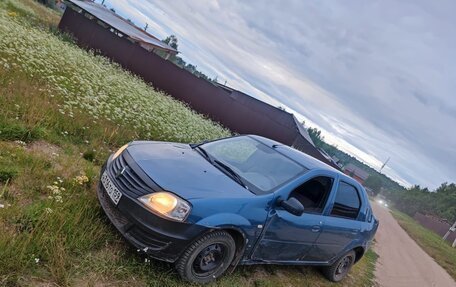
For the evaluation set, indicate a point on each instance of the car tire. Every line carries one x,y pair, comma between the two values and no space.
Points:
340,268
207,258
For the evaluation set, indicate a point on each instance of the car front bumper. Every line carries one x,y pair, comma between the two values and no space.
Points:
158,237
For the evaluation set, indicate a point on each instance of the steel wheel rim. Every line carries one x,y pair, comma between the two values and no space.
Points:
343,266
209,260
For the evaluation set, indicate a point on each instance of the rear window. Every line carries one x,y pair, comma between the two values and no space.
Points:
347,202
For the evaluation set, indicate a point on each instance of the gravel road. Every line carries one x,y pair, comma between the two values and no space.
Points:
401,261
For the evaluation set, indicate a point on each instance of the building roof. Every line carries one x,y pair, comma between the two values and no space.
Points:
120,24
351,168
303,131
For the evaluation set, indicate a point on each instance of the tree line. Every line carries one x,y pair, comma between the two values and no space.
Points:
440,202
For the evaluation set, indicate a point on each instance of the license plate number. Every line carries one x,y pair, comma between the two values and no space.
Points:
110,188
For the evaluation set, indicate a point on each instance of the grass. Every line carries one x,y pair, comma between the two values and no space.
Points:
58,124
432,243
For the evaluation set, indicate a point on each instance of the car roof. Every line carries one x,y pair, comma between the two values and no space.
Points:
305,160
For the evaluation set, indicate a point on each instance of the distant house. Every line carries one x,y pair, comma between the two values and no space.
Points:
357,173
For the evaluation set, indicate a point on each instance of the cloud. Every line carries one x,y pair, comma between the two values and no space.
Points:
378,77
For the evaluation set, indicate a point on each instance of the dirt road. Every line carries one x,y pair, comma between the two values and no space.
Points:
401,261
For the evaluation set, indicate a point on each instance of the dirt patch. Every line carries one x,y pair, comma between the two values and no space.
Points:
96,280
65,165
44,148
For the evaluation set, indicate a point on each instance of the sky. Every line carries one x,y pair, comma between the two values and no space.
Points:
377,77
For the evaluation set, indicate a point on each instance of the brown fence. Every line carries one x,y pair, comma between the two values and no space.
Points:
438,226
235,110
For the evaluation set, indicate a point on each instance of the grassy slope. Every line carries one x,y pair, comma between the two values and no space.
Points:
52,229
440,250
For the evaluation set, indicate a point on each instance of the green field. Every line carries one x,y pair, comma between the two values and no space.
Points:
432,243
62,111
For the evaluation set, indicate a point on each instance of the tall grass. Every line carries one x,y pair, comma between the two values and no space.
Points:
96,86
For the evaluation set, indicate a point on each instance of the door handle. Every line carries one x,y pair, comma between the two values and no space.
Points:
316,228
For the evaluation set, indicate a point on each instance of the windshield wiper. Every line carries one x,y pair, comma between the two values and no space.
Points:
195,145
204,152
232,173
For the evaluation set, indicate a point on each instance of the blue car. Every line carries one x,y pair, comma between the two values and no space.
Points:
240,200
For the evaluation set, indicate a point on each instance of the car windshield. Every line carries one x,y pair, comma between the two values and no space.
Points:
261,168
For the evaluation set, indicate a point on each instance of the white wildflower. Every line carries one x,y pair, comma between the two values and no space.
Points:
21,143
98,87
81,179
58,198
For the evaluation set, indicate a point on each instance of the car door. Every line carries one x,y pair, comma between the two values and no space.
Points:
341,225
287,237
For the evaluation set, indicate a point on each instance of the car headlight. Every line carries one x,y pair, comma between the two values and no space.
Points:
167,204
119,151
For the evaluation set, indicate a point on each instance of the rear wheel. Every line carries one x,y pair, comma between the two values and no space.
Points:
340,268
207,258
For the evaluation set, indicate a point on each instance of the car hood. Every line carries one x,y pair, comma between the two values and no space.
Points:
182,170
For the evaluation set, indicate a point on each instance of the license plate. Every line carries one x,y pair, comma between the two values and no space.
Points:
110,188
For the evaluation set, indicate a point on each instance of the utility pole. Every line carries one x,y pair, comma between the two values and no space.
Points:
452,229
384,164
147,26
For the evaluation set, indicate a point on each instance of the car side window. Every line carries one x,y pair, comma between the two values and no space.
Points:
314,193
347,203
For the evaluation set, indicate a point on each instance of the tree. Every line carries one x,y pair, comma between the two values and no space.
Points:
374,182
315,135
171,41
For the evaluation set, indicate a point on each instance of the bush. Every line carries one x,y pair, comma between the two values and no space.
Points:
89,155
15,131
7,173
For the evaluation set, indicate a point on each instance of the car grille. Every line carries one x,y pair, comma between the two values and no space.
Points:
129,182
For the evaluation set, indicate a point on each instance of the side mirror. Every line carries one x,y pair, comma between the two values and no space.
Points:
292,205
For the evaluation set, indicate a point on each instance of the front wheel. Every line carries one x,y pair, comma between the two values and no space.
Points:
340,268
207,258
